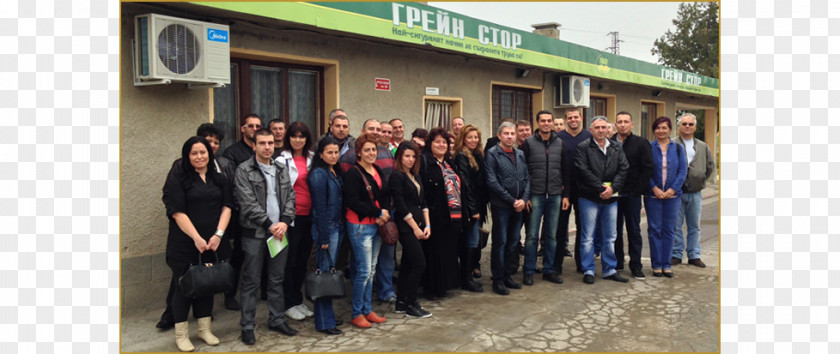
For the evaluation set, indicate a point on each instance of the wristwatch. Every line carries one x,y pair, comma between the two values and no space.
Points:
220,233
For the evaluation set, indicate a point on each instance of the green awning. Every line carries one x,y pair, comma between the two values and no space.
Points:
427,25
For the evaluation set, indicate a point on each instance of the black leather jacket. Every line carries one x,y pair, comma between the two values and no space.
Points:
595,168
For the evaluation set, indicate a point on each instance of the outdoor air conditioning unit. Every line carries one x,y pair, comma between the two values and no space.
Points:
571,90
169,50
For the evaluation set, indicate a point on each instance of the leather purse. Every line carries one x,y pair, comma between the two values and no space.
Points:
324,285
207,279
388,231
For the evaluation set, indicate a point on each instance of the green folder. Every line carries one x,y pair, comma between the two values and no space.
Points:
275,245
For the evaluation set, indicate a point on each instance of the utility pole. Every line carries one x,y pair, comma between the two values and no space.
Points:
615,41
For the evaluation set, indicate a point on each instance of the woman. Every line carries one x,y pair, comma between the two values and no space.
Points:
198,203
298,158
418,136
412,217
469,162
442,191
328,217
662,200
364,216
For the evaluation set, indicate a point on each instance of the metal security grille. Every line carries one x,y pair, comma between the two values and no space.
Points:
178,49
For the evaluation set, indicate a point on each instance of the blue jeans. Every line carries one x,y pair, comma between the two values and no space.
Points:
592,213
690,207
384,280
507,225
324,315
365,241
545,208
662,218
471,234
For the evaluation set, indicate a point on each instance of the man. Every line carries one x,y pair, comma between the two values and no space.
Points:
559,124
611,131
224,166
523,131
700,169
602,172
385,133
244,149
572,136
340,130
457,124
267,203
544,156
278,128
334,113
384,282
398,135
638,153
494,140
508,186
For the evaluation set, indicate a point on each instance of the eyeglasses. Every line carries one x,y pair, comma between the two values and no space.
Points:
253,126
687,124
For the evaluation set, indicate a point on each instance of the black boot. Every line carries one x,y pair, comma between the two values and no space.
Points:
467,282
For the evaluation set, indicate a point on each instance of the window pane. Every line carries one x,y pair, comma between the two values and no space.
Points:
224,109
267,93
303,98
510,102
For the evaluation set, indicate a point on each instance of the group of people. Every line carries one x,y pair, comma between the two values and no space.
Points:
328,196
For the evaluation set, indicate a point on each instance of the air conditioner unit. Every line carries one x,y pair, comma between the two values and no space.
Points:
170,49
571,90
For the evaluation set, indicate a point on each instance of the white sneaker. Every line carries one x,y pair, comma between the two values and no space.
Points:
294,314
302,308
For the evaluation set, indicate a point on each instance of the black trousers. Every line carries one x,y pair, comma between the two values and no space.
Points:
202,306
300,248
412,266
629,212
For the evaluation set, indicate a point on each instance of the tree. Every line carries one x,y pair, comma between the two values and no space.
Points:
695,45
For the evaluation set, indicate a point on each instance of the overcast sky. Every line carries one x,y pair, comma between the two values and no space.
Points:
638,24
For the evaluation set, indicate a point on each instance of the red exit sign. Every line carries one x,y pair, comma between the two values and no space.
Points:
383,84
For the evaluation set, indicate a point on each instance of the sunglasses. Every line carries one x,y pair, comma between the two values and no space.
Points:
687,124
253,126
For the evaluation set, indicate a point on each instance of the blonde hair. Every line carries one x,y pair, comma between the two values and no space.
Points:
461,147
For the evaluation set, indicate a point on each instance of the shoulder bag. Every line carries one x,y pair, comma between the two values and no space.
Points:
388,231
324,285
207,279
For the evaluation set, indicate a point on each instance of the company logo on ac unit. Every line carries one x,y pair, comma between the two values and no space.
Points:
217,35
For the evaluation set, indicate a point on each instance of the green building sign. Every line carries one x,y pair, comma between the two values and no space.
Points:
426,25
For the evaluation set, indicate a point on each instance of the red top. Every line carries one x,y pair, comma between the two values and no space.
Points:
303,202
351,215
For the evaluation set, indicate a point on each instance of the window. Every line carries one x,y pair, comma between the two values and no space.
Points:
648,116
438,114
511,102
271,90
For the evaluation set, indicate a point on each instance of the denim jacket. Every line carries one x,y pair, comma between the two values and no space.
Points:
677,168
327,203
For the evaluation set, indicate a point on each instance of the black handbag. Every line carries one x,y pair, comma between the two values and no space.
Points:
324,285
207,279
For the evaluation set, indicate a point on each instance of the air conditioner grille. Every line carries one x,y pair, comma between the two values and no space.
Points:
178,49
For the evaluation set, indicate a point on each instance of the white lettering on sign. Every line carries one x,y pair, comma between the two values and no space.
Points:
440,22
497,37
382,84
677,77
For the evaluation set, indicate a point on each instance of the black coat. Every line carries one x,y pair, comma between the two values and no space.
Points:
473,185
434,191
639,156
406,201
595,168
356,197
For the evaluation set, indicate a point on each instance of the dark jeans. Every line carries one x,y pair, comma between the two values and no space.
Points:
256,253
234,232
412,265
563,236
507,227
202,306
629,212
300,247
